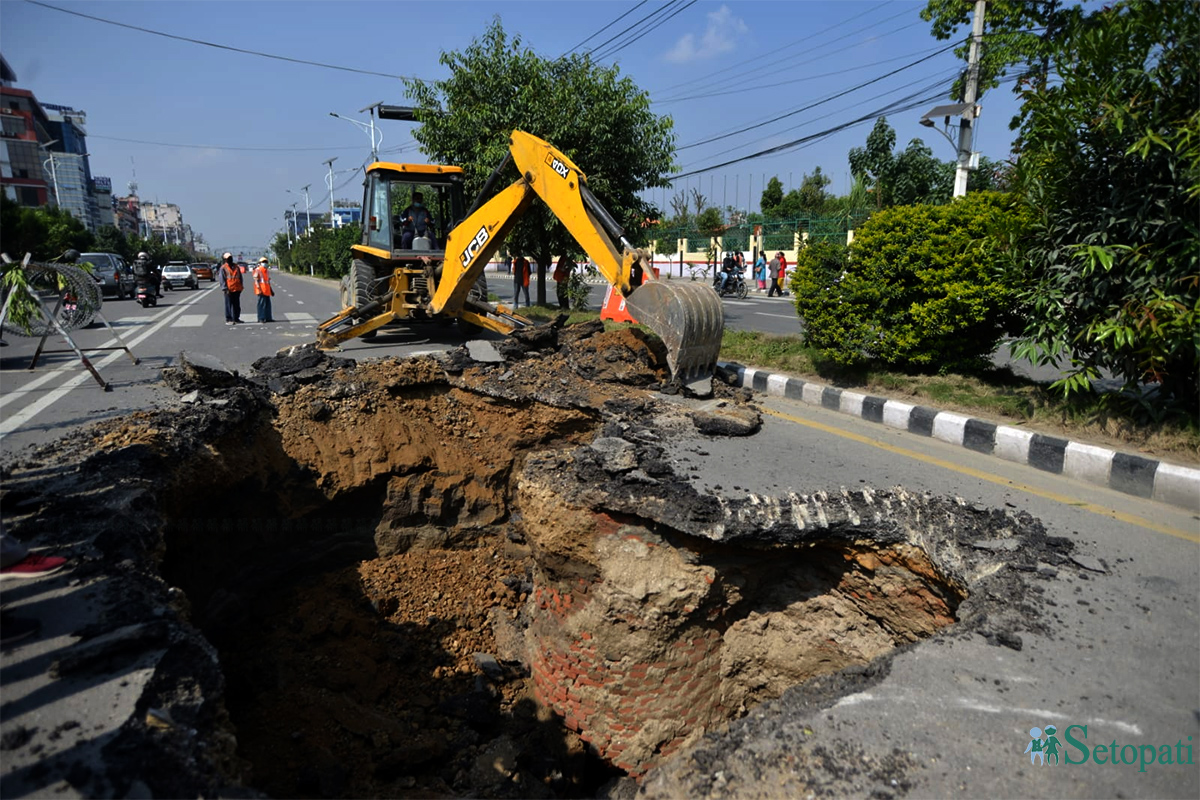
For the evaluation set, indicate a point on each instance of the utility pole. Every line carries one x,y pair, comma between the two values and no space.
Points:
329,164
966,126
307,212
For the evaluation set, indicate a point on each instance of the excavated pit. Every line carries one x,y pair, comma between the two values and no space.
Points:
479,575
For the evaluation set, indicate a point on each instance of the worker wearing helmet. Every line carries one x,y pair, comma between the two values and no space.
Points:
230,276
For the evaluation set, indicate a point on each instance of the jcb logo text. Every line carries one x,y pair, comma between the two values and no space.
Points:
479,241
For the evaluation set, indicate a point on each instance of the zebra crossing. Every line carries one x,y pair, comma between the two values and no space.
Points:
200,320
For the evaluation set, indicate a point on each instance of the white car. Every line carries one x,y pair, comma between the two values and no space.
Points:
176,275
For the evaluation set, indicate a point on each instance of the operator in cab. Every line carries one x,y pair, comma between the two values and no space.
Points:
415,220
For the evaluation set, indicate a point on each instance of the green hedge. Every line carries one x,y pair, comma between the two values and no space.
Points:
917,289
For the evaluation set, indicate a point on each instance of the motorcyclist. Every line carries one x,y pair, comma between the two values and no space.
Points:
143,270
728,268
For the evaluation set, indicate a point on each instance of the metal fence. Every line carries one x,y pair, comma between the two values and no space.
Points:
776,235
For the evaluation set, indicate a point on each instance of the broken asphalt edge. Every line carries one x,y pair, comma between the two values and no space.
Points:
1123,472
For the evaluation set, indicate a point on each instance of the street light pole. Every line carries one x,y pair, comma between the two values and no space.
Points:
966,126
369,129
53,170
329,164
307,212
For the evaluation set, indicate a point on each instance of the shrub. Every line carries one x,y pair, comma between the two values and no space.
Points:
916,289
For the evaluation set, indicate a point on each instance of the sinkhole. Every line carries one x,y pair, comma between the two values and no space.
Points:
460,577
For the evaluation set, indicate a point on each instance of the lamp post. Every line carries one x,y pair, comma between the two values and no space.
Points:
307,212
370,129
50,161
329,164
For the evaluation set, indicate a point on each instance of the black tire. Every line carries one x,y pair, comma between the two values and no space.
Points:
361,287
742,291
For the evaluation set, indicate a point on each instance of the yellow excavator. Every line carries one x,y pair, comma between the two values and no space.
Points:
415,262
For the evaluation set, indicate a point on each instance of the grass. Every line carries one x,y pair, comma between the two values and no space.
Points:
997,395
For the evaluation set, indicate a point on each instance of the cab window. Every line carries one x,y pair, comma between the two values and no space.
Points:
379,220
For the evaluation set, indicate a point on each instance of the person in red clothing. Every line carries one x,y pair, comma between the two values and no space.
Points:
782,273
520,281
262,288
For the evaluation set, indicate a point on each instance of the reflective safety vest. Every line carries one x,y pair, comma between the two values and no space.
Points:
262,282
233,277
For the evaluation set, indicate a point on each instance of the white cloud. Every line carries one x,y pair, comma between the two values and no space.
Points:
720,36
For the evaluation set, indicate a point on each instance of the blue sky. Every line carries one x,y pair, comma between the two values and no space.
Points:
257,127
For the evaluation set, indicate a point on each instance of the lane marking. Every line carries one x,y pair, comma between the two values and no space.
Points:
299,302
301,317
781,316
190,321
1129,519
11,423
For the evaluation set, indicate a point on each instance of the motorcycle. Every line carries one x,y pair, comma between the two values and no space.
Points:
146,295
736,285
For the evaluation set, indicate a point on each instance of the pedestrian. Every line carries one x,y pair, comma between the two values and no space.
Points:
262,288
773,272
760,271
562,280
520,281
782,273
230,276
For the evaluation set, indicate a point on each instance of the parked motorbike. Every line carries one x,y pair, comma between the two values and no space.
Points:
146,295
736,285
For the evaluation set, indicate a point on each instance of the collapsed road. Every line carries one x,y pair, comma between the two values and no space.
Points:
482,575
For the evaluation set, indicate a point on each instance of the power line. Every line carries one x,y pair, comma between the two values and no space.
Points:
745,71
602,29
612,38
222,46
656,24
816,103
216,147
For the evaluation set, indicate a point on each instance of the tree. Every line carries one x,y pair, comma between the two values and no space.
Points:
47,232
1110,166
912,176
812,197
772,198
109,239
599,119
1018,34
709,221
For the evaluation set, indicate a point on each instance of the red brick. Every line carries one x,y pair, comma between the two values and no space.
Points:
585,635
571,722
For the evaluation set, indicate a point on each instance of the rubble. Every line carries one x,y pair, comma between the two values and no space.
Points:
463,576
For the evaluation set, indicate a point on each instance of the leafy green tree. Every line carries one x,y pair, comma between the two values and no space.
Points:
47,232
812,197
771,199
710,222
1110,166
873,163
916,289
911,176
598,118
1018,35
109,239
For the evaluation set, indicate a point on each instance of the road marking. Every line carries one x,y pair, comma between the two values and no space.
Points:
299,317
1130,519
11,423
781,316
299,302
190,321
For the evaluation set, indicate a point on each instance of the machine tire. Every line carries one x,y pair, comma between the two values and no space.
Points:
359,287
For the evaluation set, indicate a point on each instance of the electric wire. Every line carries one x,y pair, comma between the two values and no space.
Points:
604,28
223,46
218,147
649,28
816,103
745,71
616,36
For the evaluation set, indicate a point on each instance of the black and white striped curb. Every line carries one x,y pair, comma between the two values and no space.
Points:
1124,472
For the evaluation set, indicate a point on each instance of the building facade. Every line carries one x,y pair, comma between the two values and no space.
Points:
70,172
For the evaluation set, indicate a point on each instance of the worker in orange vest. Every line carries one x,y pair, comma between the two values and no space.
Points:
230,277
262,288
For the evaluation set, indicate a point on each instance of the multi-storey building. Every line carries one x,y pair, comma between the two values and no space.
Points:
70,173
23,135
102,191
127,214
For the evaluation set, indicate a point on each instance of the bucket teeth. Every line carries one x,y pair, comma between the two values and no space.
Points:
689,318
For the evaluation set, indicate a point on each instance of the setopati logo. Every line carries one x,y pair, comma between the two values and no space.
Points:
1045,748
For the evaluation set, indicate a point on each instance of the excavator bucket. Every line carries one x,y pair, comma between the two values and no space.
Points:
689,318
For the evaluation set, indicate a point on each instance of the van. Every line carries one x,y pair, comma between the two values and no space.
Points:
110,271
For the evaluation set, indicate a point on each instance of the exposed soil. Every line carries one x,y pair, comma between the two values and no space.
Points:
440,577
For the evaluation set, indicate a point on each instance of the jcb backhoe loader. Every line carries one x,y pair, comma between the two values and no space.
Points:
414,264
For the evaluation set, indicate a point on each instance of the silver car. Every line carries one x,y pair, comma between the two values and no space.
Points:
110,271
177,275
